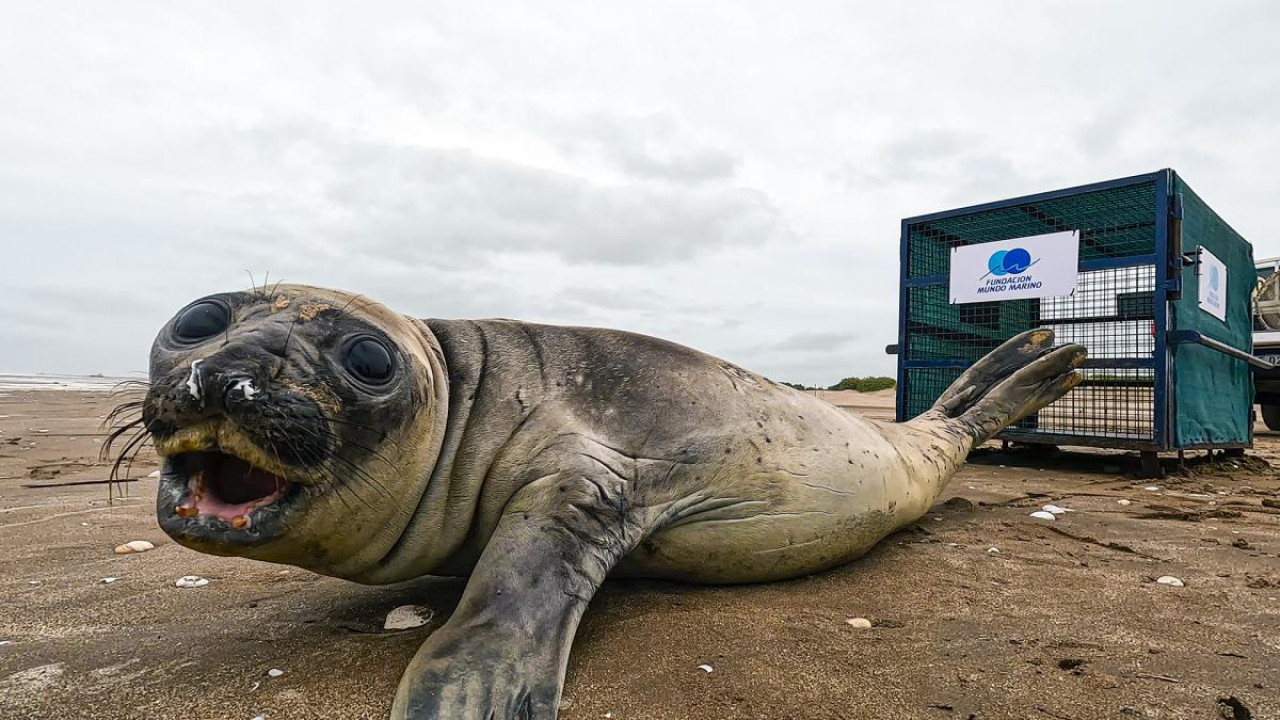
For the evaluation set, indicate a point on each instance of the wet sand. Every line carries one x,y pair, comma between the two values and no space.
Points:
1064,621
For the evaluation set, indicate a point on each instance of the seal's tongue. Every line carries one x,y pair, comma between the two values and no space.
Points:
230,488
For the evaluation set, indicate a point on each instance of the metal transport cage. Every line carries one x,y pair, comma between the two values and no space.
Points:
1163,373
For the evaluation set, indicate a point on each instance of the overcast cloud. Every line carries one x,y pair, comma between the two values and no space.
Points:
729,176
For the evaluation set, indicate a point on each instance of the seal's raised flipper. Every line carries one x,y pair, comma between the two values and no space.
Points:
502,654
1016,379
1014,354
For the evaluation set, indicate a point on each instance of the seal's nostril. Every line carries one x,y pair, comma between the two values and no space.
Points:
240,387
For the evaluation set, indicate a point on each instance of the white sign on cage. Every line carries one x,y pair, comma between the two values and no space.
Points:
1213,284
1031,267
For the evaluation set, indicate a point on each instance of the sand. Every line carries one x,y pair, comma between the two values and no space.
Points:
1064,621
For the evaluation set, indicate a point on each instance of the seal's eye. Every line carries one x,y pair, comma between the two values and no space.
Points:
202,320
369,360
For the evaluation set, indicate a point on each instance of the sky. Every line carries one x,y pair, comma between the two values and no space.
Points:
730,176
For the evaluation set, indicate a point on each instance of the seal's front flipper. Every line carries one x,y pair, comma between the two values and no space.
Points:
502,654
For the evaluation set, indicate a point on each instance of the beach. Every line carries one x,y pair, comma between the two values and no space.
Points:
977,611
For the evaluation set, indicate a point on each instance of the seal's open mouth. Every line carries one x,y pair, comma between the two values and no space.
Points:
223,486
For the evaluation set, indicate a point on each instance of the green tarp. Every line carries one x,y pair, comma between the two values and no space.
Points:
1212,392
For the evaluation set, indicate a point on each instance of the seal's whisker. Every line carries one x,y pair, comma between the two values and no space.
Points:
349,303
335,485
115,420
126,417
120,411
331,435
355,492
284,476
362,306
136,427
288,337
358,446
137,441
131,448
125,408
348,464
306,489
363,474
333,481
382,435
129,386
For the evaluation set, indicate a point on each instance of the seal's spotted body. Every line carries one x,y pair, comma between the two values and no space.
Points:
535,459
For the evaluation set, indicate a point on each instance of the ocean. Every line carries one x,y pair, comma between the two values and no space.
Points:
10,382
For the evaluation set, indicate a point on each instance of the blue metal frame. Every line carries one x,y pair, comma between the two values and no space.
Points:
1162,424
1161,260
1038,197
962,364
900,402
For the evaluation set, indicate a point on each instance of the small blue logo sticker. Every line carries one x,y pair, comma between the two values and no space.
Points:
1214,280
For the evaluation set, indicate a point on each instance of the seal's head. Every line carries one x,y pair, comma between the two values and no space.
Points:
295,426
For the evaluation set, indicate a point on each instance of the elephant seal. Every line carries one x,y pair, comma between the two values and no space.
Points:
312,427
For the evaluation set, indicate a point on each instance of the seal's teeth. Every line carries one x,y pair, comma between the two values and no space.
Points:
240,522
187,511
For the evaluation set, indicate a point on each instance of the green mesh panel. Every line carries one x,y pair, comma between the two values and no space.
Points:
938,330
1119,222
1213,393
927,384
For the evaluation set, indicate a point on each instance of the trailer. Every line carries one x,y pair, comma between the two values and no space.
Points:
1139,270
1266,340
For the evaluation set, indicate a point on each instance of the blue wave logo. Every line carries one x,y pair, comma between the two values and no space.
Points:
1009,262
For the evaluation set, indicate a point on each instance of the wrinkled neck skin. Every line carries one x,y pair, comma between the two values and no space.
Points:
441,526
352,528
446,488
